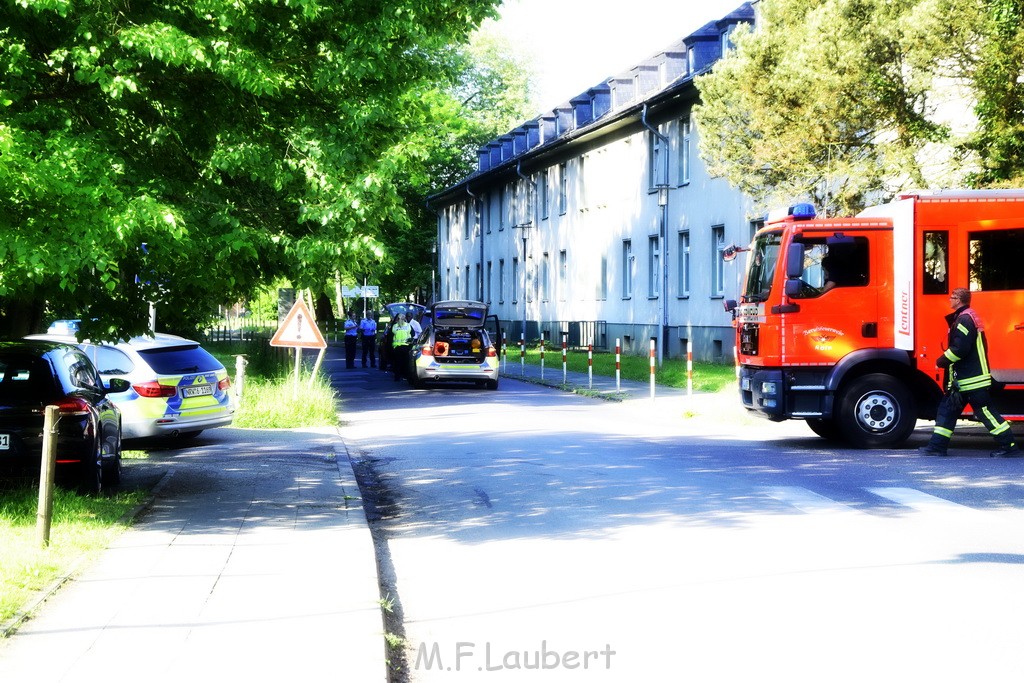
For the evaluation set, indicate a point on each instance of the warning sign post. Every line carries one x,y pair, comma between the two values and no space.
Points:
299,331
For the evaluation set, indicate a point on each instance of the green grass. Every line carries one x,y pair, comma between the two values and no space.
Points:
82,525
710,377
275,404
269,396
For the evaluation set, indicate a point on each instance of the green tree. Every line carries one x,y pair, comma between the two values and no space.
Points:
831,100
238,141
488,95
982,44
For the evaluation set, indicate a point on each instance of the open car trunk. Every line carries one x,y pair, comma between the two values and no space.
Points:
459,345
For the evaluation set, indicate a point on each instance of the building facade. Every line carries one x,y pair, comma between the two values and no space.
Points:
598,221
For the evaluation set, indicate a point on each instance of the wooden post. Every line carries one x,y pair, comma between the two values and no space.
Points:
47,470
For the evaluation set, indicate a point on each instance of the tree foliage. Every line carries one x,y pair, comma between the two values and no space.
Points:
239,141
850,101
489,95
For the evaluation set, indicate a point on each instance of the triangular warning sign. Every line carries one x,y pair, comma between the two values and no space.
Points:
299,329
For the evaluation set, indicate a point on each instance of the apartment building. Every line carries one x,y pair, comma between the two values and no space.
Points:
597,221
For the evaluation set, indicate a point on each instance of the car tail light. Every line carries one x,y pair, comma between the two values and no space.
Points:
491,353
427,350
73,406
224,384
154,390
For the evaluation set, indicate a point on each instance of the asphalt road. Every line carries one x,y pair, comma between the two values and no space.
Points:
532,534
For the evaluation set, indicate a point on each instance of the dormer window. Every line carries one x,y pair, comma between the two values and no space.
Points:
727,44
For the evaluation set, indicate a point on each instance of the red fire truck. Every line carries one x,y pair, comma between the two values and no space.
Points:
841,319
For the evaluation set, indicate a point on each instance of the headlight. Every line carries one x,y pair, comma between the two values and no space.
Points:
769,388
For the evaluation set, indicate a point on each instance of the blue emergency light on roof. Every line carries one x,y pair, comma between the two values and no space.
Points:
802,212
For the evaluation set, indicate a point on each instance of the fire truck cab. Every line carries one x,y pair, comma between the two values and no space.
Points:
841,319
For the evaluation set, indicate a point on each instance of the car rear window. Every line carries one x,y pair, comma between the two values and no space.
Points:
179,360
25,379
461,316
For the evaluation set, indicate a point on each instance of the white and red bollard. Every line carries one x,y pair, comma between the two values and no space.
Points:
618,365
653,366
590,365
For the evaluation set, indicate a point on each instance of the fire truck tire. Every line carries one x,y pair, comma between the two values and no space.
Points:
876,411
826,429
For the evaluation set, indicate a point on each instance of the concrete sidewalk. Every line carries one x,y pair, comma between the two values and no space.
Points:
254,563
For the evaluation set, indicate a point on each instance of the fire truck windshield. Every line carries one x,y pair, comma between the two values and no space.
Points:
764,256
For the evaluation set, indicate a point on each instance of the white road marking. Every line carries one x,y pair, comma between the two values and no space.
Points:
808,501
920,501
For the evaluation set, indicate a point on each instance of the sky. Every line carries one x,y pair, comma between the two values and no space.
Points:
576,44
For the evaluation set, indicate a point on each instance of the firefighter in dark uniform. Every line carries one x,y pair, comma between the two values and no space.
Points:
968,380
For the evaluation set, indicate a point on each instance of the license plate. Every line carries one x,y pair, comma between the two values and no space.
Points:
5,442
201,390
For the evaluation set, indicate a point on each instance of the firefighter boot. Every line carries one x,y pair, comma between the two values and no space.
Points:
1007,451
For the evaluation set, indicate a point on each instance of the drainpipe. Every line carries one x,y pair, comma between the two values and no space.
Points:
477,224
663,238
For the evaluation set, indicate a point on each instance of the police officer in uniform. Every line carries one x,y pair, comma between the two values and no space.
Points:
351,338
968,381
401,338
368,334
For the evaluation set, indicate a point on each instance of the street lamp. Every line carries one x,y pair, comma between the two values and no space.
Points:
525,227
433,271
663,189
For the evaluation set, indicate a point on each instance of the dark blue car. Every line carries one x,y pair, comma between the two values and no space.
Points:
36,374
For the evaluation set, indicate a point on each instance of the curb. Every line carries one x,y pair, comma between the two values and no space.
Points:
9,627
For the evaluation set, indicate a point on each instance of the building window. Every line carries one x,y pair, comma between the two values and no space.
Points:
501,281
691,60
545,278
656,155
486,217
683,255
542,190
563,189
502,212
515,280
479,284
456,285
467,220
581,182
602,283
653,266
490,283
627,269
466,295
448,224
717,263
684,150
563,275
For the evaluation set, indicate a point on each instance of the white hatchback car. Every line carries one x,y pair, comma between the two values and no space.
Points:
177,387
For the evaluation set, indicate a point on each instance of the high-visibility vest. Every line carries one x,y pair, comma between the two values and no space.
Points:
401,334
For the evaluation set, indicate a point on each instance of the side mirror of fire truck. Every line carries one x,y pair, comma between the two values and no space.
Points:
794,269
730,305
729,253
795,260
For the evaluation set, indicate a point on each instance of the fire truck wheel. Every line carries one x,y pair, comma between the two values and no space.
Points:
876,411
